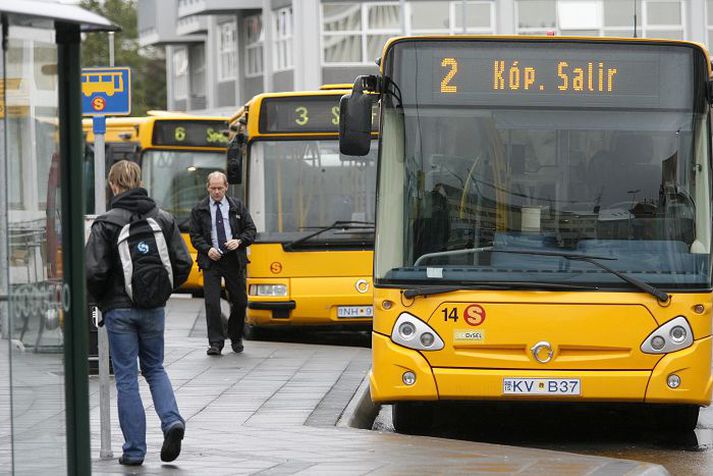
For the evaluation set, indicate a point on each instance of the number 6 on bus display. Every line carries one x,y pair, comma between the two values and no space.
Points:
355,120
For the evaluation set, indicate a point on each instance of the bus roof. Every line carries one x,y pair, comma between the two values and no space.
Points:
331,87
539,38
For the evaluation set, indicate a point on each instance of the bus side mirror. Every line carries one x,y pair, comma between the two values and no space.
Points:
234,165
355,121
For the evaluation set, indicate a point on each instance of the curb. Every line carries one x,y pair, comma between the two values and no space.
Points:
360,412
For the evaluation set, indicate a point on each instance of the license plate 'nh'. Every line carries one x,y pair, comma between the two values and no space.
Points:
541,386
355,311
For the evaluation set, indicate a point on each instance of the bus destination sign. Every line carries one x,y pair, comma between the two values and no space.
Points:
545,74
306,114
189,133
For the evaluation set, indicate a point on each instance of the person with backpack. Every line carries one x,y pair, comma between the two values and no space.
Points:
135,258
221,230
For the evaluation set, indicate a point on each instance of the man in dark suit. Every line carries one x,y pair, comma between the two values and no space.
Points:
221,230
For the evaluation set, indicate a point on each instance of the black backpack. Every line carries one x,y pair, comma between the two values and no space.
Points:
144,256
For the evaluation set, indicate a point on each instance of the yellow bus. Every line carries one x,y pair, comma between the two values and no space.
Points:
313,208
543,223
176,152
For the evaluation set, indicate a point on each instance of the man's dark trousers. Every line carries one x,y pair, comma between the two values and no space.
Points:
229,269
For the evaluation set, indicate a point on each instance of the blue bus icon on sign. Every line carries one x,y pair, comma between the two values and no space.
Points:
106,91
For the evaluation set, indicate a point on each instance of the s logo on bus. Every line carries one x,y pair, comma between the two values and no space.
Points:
474,315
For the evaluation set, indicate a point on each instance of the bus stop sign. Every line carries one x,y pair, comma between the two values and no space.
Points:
106,91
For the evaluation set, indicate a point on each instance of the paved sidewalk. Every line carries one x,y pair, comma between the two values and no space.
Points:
272,411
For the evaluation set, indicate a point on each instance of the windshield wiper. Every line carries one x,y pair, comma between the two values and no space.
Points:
657,293
430,291
337,225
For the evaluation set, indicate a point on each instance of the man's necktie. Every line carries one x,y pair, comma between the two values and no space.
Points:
220,228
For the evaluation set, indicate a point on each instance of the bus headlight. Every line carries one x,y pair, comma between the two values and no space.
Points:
678,334
675,335
276,290
410,331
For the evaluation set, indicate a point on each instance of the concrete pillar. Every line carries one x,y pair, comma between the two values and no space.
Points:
267,46
307,50
695,18
170,102
505,21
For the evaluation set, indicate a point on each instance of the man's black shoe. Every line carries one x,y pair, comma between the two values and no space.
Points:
214,350
172,442
130,462
237,346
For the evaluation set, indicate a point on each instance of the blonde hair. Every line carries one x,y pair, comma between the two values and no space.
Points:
125,175
215,174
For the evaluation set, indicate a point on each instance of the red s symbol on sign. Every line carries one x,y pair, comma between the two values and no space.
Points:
474,314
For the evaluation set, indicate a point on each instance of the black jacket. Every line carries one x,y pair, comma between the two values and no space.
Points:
105,278
241,226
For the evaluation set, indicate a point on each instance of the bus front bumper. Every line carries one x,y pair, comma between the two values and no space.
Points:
392,361
312,301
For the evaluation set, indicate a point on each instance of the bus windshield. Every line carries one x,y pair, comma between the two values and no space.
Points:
600,150
177,179
300,186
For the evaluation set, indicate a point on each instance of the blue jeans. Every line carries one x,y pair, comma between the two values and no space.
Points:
139,333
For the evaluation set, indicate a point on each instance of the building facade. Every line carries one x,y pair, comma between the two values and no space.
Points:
220,53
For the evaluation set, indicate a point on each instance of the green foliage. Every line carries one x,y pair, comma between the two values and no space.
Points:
148,65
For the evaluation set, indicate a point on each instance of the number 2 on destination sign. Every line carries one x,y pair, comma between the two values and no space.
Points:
453,64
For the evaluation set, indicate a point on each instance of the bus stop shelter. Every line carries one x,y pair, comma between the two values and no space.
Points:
44,409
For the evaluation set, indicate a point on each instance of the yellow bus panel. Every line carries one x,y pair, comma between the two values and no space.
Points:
318,283
595,337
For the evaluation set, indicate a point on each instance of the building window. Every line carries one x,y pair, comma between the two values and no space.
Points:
357,32
196,55
654,18
227,51
342,33
253,46
180,73
283,39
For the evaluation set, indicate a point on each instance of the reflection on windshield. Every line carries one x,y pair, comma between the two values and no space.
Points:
177,180
551,180
309,185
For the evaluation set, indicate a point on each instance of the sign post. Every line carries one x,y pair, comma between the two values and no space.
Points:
105,91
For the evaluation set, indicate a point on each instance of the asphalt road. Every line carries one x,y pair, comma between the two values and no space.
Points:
595,431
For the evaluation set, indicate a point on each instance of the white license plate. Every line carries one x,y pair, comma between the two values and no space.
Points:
542,386
355,311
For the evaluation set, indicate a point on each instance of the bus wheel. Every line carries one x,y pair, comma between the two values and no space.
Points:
677,418
412,417
251,332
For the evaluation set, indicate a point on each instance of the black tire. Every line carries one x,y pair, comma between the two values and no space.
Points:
677,418
412,418
251,332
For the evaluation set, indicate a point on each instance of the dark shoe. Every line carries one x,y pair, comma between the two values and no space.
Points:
237,346
130,462
172,442
214,350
